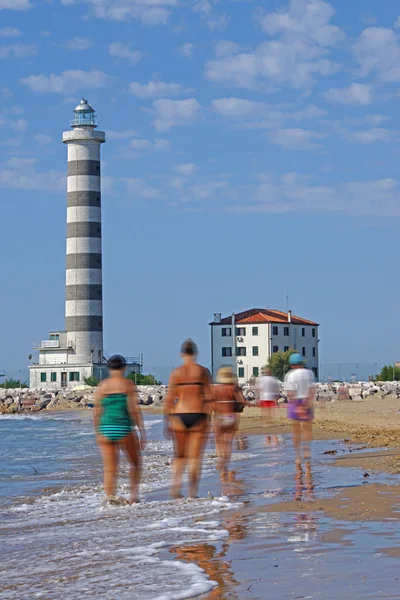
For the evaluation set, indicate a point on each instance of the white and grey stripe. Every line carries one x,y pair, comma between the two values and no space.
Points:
84,292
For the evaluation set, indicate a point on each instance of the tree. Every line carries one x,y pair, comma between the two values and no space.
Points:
389,373
12,384
141,379
279,363
92,381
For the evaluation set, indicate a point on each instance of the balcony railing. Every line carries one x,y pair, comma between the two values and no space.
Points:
52,344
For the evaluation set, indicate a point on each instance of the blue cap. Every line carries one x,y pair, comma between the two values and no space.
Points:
296,359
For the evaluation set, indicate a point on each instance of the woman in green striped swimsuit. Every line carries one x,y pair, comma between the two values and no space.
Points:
116,412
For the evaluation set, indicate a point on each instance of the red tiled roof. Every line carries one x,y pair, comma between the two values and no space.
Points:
263,315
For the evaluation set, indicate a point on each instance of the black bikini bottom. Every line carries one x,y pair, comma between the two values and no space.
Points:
189,420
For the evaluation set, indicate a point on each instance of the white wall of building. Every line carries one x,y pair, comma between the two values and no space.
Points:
267,340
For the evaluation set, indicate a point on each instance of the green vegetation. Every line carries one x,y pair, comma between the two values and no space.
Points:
279,363
92,381
12,384
389,373
141,379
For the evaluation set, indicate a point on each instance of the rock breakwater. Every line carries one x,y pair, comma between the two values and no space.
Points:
27,400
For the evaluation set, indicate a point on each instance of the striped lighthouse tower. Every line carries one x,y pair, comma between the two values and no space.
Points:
84,304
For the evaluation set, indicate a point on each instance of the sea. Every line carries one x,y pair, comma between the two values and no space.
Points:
59,542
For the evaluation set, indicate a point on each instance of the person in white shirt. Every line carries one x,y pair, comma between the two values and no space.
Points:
267,396
299,385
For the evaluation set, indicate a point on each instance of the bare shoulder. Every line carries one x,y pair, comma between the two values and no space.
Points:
130,386
206,374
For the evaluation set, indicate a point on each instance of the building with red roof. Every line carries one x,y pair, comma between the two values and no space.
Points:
247,339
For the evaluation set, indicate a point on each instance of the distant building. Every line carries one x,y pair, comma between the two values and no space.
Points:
246,340
76,353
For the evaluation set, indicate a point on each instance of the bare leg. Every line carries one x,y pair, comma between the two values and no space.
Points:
197,442
179,462
109,452
228,448
131,447
296,437
219,445
307,438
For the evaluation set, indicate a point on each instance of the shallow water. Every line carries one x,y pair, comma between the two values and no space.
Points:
61,544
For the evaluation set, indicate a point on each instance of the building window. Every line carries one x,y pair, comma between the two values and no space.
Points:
255,371
241,351
227,351
241,372
54,337
314,352
286,331
74,376
53,377
313,332
303,332
303,351
275,330
255,331
286,348
226,332
255,350
275,349
241,331
315,371
43,378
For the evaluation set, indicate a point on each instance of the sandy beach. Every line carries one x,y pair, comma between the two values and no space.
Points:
253,541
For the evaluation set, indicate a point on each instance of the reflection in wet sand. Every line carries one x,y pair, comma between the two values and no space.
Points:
213,559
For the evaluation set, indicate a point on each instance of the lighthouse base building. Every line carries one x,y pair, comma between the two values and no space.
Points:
71,356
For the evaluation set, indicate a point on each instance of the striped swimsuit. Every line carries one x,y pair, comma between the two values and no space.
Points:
115,422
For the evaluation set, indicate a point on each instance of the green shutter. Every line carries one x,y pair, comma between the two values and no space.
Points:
43,377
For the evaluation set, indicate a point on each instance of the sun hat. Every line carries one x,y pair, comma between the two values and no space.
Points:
226,375
296,359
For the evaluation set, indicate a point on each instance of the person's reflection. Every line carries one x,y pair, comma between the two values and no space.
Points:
213,561
242,443
309,484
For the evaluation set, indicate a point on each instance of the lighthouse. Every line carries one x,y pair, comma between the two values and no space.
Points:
84,281
73,354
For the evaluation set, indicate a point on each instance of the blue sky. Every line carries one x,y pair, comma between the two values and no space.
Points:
252,148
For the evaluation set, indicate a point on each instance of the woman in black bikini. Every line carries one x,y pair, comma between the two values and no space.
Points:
187,407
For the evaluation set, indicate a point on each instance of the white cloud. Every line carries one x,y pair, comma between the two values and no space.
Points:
149,12
239,108
186,49
305,37
20,125
6,92
218,23
370,136
121,135
68,82
377,50
226,48
140,145
161,144
175,113
295,139
204,7
186,169
79,43
120,50
21,174
356,93
155,89
306,19
397,23
10,32
43,139
15,5
17,50
157,145
264,116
